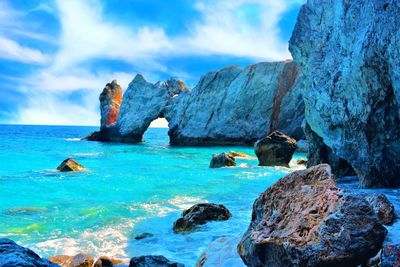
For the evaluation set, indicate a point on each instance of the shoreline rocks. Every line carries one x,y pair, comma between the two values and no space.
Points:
200,214
276,149
153,261
70,165
383,208
222,160
306,220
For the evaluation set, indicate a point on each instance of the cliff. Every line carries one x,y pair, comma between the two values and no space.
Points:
348,53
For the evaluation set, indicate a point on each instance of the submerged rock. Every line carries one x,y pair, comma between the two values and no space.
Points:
143,236
383,208
275,150
12,254
200,214
306,220
349,61
153,261
70,165
222,160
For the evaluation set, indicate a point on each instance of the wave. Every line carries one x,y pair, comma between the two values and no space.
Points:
73,139
88,155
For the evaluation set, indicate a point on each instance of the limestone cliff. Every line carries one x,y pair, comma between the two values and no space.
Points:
348,52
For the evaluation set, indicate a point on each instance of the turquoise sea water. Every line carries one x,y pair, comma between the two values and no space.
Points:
127,190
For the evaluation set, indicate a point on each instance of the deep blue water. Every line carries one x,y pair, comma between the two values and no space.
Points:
127,190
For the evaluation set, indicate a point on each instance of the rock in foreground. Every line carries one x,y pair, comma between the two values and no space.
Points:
200,214
275,150
306,220
70,165
383,208
222,160
12,255
153,261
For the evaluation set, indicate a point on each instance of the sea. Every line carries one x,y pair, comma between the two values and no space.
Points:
127,190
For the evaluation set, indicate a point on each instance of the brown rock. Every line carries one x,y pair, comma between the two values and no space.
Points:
275,150
306,220
105,261
63,260
70,165
201,214
222,160
110,102
301,162
82,260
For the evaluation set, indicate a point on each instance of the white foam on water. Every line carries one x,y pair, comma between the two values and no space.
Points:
88,155
73,139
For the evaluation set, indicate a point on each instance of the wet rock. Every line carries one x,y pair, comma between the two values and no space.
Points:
153,261
105,261
349,61
143,236
275,150
221,252
383,208
390,256
200,214
301,162
302,146
62,260
240,155
70,165
306,220
222,160
12,255
82,260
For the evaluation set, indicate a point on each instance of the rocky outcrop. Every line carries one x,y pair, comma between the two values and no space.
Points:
349,59
153,261
306,220
383,208
275,150
243,105
222,160
110,102
70,165
79,260
200,214
12,254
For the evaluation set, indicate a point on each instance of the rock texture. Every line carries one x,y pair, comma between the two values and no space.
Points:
275,150
110,102
306,220
12,255
242,105
383,208
390,256
70,165
222,160
200,214
153,261
349,59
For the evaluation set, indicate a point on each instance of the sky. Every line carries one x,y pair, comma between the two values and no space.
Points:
57,55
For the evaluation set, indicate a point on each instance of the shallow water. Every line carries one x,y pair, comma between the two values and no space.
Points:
127,190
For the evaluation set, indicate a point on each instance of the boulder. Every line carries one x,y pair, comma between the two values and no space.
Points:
62,260
105,261
143,236
222,160
153,261
82,260
240,155
306,220
200,214
275,150
383,208
301,162
12,255
390,256
70,165
349,61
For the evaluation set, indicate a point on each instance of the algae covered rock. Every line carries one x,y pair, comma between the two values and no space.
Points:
306,220
70,165
222,160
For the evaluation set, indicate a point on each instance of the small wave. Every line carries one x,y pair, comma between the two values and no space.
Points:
73,139
87,155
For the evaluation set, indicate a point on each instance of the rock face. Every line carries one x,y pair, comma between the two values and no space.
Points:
201,214
275,150
349,59
110,102
243,105
306,220
222,160
383,208
153,261
70,165
12,254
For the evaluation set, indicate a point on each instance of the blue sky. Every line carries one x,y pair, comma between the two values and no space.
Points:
57,55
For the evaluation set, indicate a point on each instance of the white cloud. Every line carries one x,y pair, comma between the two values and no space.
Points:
11,50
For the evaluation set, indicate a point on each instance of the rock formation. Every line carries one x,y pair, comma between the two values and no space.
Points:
349,59
70,165
275,150
200,214
110,102
222,160
12,254
233,106
153,261
306,220
383,208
